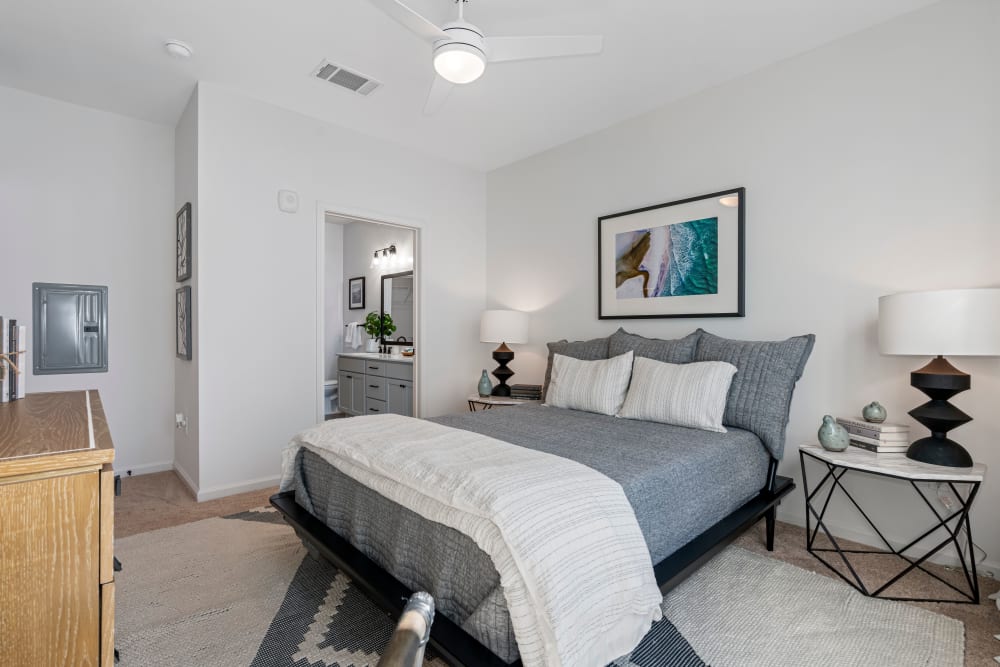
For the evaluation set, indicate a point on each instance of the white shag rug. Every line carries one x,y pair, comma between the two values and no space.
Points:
241,591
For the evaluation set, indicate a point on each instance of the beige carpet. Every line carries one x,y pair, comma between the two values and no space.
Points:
219,592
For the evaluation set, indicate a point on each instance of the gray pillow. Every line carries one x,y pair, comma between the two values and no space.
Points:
676,351
760,396
588,350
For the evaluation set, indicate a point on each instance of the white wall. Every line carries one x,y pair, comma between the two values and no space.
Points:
258,277
186,371
334,292
871,167
361,239
87,197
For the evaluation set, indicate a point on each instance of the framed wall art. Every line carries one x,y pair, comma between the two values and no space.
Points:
680,259
356,293
184,243
183,322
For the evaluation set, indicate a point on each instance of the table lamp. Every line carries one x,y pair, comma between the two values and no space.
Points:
503,326
960,322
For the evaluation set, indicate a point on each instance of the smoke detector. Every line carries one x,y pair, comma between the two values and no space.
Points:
345,78
178,49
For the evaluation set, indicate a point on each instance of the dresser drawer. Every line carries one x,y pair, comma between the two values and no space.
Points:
373,406
351,365
375,387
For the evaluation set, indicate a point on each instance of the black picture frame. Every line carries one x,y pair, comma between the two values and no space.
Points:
184,259
735,293
359,284
182,326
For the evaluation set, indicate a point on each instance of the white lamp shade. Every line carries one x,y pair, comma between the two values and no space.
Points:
503,326
943,322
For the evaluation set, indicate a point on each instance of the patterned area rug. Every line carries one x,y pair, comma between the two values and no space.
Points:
240,591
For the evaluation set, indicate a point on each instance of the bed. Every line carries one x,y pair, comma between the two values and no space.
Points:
692,492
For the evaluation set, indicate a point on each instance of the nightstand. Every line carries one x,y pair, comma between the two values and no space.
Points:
953,522
477,402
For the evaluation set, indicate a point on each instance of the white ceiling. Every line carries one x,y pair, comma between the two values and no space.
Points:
108,54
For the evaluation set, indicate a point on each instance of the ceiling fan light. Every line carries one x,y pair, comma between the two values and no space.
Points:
459,63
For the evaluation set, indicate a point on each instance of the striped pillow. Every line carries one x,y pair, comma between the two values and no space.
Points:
592,386
692,395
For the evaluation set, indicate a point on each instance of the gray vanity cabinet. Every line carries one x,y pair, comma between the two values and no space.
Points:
375,386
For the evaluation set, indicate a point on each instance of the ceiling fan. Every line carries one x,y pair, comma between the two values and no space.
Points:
461,50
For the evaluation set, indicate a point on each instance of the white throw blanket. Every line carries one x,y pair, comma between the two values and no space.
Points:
573,564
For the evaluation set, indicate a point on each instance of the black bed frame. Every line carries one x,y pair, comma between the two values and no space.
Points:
448,639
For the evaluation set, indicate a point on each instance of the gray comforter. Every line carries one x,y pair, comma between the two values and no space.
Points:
679,481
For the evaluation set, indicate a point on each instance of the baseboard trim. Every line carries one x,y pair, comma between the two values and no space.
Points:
145,468
839,530
186,478
215,492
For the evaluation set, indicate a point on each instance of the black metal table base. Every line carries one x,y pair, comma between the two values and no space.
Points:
953,524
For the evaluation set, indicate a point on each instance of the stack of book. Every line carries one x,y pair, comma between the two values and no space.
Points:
13,341
526,392
881,438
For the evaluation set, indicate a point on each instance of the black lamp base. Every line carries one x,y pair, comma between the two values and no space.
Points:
940,452
503,355
940,381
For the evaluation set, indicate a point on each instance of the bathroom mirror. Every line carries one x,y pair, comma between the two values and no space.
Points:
397,301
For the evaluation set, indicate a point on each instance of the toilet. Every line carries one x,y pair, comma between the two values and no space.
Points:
330,397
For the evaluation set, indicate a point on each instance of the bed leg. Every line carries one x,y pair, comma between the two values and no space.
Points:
310,547
769,520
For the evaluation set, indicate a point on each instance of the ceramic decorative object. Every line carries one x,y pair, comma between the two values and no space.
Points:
832,435
372,345
874,413
485,386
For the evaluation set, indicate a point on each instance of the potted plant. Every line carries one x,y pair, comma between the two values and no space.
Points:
379,328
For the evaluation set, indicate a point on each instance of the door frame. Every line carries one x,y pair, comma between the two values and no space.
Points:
378,218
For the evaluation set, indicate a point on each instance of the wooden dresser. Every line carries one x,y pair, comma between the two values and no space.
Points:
57,591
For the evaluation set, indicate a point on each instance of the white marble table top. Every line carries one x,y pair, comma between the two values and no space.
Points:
499,400
896,465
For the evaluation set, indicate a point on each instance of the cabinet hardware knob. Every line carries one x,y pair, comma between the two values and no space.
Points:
373,386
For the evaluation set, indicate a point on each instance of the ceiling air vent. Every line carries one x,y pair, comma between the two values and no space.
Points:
345,78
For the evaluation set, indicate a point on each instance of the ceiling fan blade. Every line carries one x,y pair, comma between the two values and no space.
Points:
440,90
502,49
410,19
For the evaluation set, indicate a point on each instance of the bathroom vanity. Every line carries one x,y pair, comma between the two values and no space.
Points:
371,384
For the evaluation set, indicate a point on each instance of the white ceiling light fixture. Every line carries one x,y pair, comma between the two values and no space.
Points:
178,49
459,63
461,51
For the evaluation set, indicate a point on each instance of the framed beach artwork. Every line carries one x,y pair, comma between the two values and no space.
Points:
356,293
184,243
679,259
183,322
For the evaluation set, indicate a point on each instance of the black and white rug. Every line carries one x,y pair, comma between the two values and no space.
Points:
241,591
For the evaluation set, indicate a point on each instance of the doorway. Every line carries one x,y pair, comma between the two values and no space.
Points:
368,319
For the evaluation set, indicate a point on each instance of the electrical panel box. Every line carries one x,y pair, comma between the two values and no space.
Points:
71,328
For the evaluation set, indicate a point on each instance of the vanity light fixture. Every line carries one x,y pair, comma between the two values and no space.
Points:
385,256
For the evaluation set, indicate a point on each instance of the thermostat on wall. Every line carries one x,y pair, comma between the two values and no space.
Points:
288,201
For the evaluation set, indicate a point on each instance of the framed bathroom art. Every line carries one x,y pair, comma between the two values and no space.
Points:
680,259
356,293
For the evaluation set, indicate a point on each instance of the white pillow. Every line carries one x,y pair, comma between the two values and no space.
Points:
592,386
692,395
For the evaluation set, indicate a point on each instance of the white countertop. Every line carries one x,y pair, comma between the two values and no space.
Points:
896,465
375,356
499,400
